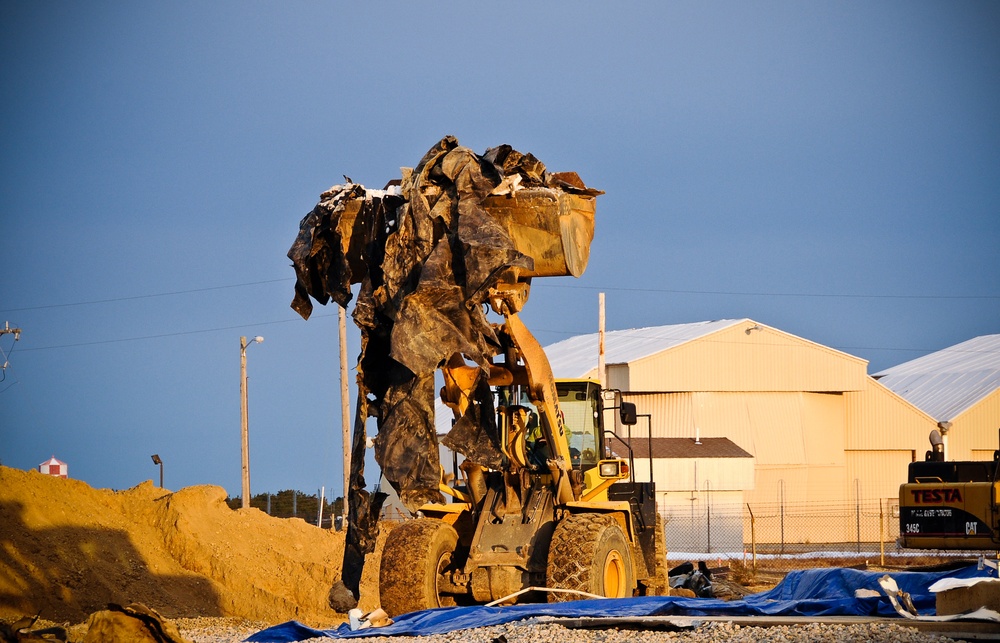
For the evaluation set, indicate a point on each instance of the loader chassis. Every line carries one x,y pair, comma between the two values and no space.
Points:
518,535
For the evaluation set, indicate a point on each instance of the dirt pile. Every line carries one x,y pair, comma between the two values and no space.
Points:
67,550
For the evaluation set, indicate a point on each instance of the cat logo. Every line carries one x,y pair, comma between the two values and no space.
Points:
970,528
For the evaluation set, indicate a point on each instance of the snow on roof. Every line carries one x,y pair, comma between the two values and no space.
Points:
947,383
577,356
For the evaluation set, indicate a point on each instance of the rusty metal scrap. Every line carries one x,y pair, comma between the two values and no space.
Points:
428,253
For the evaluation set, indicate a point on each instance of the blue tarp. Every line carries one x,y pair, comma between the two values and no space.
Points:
809,592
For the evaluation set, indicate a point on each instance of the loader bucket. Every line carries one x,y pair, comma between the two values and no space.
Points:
553,227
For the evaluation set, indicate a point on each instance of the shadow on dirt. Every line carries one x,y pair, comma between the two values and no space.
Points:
66,573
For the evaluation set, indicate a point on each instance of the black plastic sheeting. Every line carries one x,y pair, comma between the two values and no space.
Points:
425,255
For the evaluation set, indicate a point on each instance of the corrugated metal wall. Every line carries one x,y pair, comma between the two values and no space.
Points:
777,427
797,438
671,414
878,420
976,429
763,360
877,474
692,474
618,376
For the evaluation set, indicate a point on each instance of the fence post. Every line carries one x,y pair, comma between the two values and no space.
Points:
881,534
857,510
708,504
781,487
753,538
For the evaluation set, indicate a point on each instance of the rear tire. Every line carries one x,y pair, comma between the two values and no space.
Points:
589,553
415,555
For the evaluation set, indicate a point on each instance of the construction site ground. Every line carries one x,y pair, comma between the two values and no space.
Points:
67,550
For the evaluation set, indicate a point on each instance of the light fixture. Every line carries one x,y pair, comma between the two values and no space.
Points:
157,460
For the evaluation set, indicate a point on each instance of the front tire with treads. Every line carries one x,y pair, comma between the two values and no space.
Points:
589,553
415,555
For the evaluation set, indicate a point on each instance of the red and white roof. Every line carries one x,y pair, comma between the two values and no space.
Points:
53,467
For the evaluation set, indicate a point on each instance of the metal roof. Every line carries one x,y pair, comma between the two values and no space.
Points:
947,383
577,356
687,448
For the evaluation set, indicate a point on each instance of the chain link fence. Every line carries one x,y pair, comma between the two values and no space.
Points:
781,537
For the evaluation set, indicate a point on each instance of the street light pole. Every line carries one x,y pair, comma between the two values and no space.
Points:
157,460
244,412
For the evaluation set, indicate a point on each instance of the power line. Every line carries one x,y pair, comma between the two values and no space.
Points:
176,334
732,293
764,294
296,319
160,294
543,285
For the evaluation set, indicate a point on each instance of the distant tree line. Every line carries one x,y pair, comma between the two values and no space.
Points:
292,504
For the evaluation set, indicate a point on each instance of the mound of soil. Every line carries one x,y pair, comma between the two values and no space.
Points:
67,550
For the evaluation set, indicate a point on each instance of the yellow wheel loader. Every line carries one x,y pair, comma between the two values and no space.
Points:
534,530
445,259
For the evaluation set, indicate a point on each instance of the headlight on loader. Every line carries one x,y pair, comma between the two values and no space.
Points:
615,469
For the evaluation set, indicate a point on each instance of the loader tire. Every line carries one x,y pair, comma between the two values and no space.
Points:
589,553
415,554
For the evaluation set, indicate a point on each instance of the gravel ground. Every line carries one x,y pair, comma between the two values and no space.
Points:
233,631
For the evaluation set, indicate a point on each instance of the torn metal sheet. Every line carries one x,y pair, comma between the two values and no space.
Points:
429,253
901,602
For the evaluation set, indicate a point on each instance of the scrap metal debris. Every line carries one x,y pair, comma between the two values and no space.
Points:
20,631
698,580
428,252
135,623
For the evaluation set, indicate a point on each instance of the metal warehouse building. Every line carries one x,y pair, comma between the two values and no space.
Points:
740,414
960,388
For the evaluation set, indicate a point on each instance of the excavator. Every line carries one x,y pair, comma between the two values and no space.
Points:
542,507
950,504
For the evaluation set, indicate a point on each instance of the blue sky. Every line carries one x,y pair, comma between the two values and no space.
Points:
831,169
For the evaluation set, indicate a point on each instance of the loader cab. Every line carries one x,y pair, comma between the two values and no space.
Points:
580,404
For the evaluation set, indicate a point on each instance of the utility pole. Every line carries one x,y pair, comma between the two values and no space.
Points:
244,412
345,413
7,330
601,368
